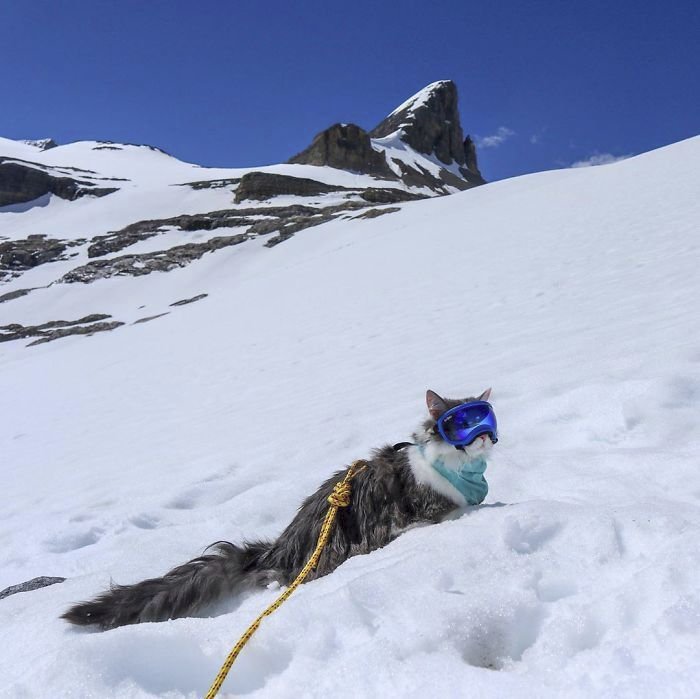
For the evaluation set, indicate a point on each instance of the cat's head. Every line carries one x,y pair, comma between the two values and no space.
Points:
429,433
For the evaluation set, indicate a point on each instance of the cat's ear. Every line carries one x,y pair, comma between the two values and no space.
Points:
485,395
436,405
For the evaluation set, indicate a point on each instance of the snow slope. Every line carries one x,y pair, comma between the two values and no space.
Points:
151,185
573,293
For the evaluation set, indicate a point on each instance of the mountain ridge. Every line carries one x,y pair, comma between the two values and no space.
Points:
133,193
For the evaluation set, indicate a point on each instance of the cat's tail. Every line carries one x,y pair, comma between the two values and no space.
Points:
182,592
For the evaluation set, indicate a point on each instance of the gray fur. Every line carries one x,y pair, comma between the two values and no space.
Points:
386,499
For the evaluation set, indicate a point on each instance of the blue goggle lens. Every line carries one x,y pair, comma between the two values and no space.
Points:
459,424
462,424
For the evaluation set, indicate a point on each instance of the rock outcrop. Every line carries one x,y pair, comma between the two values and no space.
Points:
263,185
17,256
55,329
193,299
30,585
41,143
21,182
16,294
378,195
345,147
145,263
30,252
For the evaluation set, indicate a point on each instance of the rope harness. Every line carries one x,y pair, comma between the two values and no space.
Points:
340,497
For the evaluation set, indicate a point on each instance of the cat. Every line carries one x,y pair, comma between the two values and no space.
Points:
400,487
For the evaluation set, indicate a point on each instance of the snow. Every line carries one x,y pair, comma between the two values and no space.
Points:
396,149
18,149
146,166
151,185
573,293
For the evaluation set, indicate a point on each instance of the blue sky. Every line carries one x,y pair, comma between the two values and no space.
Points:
542,84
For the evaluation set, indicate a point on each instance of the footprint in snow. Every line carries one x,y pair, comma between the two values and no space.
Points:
211,492
63,543
496,640
82,517
528,536
145,521
682,392
170,661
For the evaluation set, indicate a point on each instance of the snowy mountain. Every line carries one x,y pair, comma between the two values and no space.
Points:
573,293
93,210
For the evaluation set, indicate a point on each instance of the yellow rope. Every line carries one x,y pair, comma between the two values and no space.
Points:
340,497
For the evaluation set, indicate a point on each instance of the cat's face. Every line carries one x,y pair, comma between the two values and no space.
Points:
429,434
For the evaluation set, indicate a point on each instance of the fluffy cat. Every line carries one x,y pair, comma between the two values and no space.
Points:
400,487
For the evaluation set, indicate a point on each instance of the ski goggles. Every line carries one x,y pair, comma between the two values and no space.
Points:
462,424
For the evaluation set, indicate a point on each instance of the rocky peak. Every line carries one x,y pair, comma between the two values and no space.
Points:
346,147
41,143
429,122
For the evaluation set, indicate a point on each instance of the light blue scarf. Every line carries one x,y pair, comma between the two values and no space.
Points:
468,480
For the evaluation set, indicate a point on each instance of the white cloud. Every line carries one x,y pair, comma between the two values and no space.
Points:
538,136
502,134
599,159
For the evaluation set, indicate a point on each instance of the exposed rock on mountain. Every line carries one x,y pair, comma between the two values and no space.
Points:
21,182
148,319
184,302
470,156
429,123
41,143
145,263
55,329
345,147
374,213
260,221
285,221
263,185
16,294
377,195
142,230
213,184
30,252
17,256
